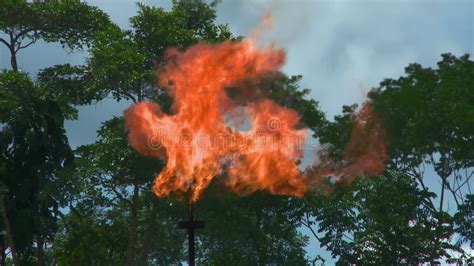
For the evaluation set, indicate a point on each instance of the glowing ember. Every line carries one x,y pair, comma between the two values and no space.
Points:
204,137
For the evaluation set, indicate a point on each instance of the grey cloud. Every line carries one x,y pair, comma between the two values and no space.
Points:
343,48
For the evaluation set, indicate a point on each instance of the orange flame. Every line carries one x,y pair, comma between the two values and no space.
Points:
364,155
206,137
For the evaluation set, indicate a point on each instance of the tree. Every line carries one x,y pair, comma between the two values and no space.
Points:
258,229
33,140
381,221
464,220
428,115
33,147
115,175
122,63
69,22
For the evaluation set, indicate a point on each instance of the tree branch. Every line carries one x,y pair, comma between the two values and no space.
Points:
307,225
443,181
422,183
130,96
310,228
12,40
13,60
19,34
468,177
26,45
455,196
468,184
5,42
120,196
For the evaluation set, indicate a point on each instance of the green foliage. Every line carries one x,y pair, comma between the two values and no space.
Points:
160,242
464,219
33,147
112,157
382,221
430,111
70,22
427,115
122,62
254,230
67,84
188,22
94,239
102,190
337,134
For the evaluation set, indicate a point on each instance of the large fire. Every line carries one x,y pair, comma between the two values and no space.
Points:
256,146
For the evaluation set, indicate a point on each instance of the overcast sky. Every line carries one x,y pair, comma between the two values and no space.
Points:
342,48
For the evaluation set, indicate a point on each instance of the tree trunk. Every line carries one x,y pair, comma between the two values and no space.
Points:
149,234
443,185
40,251
2,250
133,227
6,222
13,61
